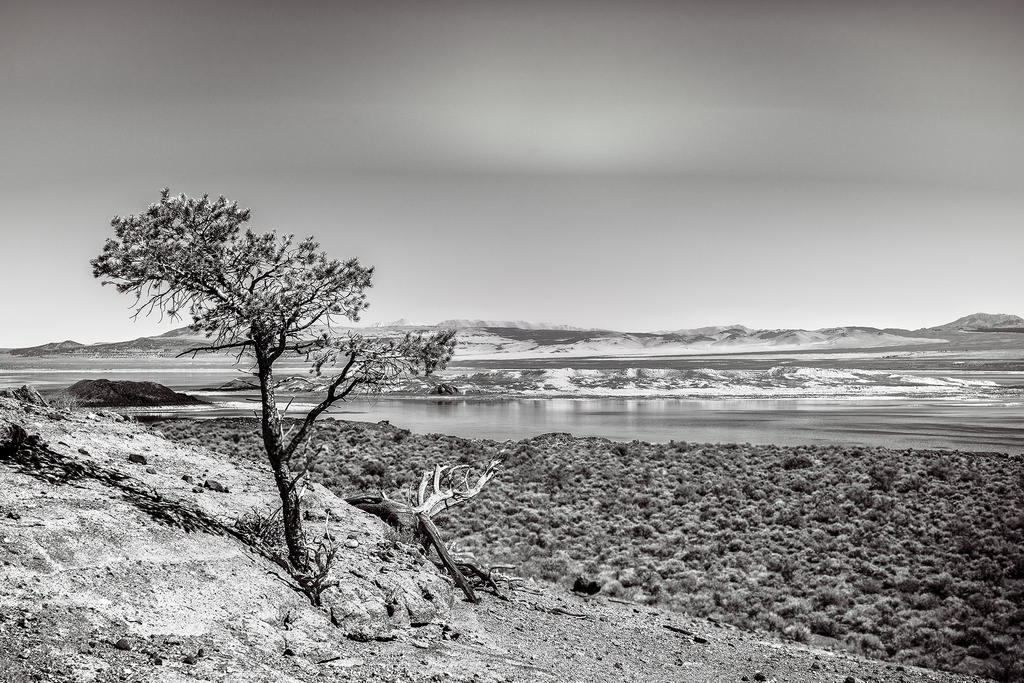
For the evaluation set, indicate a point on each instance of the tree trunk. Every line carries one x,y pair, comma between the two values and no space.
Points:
429,529
273,442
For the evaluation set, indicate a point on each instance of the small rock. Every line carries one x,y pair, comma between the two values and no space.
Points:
351,543
850,679
585,586
83,451
700,641
197,489
187,478
189,659
138,459
215,485
760,677
151,470
288,652
123,644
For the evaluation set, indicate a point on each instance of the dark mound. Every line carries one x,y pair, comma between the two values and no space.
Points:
239,384
119,394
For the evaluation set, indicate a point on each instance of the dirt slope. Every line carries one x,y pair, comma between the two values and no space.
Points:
98,552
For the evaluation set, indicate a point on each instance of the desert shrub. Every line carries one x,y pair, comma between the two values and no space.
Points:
796,461
928,568
824,625
64,402
262,528
883,476
794,607
796,631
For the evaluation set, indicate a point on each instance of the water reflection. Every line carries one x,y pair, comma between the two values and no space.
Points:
895,423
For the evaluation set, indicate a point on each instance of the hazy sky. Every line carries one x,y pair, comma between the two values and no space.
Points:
632,165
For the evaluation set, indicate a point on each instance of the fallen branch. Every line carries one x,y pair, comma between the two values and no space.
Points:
449,486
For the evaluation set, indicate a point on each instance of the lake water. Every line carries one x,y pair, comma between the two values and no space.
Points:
992,422
890,422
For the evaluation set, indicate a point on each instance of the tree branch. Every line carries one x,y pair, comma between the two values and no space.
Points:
331,398
215,347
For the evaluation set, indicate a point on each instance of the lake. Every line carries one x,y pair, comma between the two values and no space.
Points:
987,421
890,422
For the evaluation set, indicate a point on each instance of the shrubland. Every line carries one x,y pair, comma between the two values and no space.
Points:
913,556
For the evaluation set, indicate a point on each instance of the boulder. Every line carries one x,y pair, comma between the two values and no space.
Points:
445,390
25,394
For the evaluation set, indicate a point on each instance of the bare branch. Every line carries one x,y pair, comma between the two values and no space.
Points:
216,347
456,493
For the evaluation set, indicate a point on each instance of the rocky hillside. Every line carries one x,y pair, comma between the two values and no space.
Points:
121,560
120,549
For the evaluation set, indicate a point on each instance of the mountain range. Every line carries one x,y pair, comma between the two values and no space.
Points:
482,339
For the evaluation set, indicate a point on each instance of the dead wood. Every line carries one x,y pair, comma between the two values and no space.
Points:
450,487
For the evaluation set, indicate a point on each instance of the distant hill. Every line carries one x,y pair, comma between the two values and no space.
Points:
983,322
57,347
482,339
462,323
167,344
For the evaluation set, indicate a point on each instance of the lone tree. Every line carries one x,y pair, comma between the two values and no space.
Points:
265,297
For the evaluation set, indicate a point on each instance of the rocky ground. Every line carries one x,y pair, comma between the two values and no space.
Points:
120,561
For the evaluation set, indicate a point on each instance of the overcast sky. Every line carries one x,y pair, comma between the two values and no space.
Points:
632,165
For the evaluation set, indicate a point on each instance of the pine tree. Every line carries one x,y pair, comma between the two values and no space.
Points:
263,297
